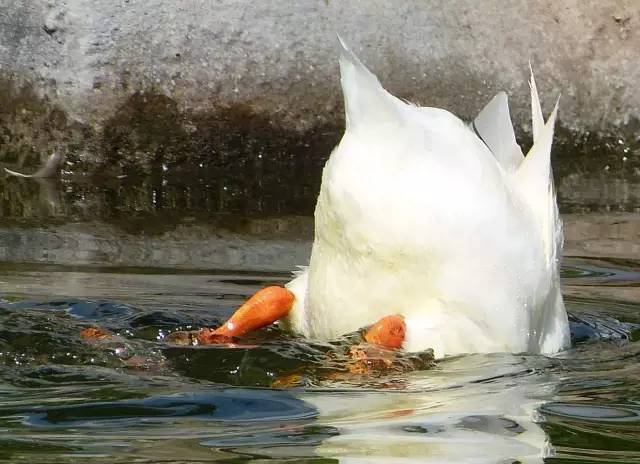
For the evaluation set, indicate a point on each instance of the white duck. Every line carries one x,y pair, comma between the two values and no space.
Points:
417,216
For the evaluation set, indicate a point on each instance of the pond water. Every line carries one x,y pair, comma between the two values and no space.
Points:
142,258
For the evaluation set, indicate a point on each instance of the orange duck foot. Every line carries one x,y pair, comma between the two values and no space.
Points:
377,355
265,307
388,332
273,303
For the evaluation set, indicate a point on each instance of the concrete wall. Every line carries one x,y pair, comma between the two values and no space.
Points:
83,59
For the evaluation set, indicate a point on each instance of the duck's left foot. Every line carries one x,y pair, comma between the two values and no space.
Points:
265,307
388,332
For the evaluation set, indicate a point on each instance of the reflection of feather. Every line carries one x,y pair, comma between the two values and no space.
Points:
49,195
49,169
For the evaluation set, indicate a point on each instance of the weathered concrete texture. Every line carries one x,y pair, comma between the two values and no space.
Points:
89,60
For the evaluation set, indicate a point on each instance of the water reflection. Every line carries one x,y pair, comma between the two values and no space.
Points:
141,257
176,196
32,198
474,409
61,391
199,223
73,398
179,194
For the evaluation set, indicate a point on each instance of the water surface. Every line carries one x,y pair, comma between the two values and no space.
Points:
113,255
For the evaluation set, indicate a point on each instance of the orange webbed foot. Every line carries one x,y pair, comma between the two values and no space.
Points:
388,332
378,354
265,307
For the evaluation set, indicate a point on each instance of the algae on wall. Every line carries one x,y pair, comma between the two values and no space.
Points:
132,86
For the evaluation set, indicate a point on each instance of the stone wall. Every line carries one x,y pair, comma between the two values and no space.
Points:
117,82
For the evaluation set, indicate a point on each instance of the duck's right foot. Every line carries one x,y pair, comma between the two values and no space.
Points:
388,332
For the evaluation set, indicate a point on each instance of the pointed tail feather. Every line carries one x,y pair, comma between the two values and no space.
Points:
535,181
542,140
365,101
537,121
494,127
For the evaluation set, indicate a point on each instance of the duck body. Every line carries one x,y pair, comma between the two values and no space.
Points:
420,217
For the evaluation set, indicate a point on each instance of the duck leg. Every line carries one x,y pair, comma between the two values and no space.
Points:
265,307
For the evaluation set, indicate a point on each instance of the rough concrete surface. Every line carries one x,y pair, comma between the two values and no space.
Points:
88,70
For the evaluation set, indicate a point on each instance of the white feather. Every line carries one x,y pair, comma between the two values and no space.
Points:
416,216
537,121
494,127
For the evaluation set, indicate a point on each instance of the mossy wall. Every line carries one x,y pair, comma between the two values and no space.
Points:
252,88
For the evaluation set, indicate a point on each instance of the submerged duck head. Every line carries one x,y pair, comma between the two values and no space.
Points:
443,223
435,233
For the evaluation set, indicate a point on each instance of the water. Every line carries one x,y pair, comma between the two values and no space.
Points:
140,264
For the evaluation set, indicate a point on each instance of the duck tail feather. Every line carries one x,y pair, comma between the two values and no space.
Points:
366,102
535,180
537,121
494,127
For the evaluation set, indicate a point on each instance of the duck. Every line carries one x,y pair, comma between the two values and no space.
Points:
441,234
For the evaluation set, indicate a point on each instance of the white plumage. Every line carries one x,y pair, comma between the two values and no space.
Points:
418,216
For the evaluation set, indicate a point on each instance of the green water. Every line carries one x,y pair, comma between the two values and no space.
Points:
142,259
